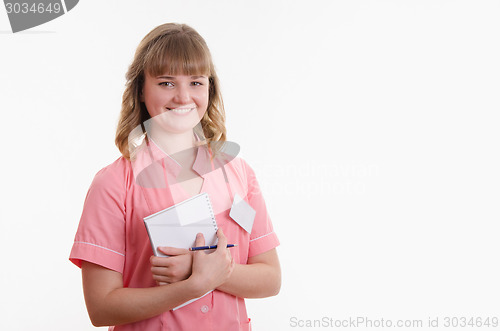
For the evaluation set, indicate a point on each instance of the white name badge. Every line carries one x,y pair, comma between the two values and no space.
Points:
242,213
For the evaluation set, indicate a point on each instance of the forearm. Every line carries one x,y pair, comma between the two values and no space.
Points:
258,280
128,305
109,303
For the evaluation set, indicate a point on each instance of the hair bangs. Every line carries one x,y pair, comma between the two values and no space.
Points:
178,54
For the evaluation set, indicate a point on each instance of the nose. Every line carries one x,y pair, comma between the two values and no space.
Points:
182,95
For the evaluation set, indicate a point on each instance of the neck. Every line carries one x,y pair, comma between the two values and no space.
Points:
179,146
173,143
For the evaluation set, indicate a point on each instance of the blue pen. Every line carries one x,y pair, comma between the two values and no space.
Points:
200,248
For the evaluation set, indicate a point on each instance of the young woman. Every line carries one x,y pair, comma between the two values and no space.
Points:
172,115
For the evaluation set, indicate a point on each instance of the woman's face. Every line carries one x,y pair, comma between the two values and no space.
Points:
177,103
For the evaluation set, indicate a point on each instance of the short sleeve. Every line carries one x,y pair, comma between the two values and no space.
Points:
263,238
100,237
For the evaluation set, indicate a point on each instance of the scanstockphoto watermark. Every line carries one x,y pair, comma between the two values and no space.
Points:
320,170
313,188
447,322
26,14
317,178
353,322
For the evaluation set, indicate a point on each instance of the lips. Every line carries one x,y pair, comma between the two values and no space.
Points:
183,110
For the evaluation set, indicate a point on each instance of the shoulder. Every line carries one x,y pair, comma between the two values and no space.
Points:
244,173
241,166
113,176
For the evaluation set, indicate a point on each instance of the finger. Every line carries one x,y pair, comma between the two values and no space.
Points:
232,263
230,257
173,251
158,261
222,241
160,271
159,278
200,240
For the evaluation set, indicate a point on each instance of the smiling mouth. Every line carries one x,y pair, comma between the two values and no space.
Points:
182,110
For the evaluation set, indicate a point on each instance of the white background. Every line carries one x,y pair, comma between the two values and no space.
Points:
372,127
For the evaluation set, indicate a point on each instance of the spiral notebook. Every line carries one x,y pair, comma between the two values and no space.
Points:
178,225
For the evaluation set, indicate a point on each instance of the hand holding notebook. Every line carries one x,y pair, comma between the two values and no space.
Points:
178,225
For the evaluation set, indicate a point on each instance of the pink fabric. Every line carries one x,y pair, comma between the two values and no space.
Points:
112,234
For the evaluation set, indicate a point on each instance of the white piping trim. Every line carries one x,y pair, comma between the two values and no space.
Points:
86,243
261,236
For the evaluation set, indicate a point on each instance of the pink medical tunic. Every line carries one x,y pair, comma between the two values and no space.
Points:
112,233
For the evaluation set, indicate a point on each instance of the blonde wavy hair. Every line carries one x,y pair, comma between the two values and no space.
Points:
173,49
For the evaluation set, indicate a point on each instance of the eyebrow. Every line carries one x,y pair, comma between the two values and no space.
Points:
172,77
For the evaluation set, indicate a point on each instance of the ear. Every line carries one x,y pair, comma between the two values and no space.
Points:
141,96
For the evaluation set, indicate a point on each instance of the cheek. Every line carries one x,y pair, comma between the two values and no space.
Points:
154,102
201,112
202,105
202,100
155,99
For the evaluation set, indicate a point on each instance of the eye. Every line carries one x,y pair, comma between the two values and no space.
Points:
196,83
169,84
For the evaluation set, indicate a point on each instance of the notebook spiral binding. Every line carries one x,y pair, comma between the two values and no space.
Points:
209,203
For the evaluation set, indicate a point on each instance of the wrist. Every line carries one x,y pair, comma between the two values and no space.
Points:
196,286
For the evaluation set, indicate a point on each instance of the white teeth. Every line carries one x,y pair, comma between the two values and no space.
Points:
181,110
